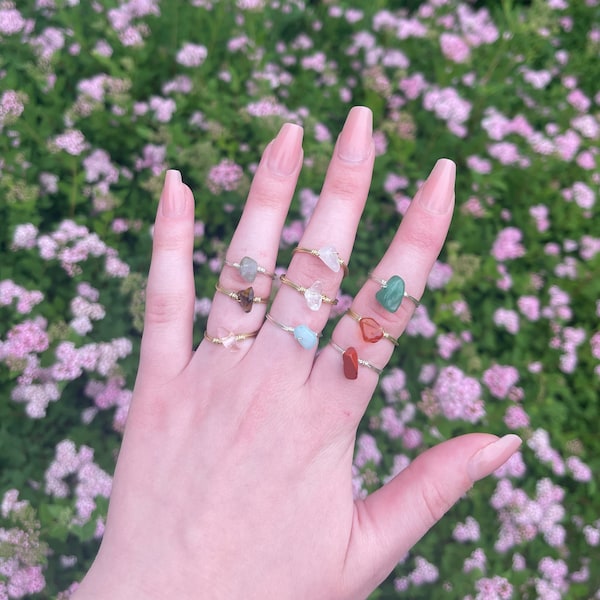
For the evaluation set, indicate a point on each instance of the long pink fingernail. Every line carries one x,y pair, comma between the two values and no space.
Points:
490,457
356,138
437,193
286,150
173,199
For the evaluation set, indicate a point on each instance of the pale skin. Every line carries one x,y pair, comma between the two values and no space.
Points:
234,478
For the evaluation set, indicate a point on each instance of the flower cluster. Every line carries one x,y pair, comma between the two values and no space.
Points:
506,337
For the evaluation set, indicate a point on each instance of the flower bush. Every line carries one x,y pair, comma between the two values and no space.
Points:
98,98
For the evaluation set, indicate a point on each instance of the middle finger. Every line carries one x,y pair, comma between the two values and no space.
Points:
319,262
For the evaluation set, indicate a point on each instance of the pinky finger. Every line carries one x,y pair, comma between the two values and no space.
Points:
170,295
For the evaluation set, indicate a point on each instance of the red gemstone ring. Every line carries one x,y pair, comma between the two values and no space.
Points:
351,361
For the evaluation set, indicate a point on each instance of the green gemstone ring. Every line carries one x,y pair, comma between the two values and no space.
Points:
392,292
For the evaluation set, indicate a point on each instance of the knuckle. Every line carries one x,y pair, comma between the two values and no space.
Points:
163,307
346,185
421,238
170,241
436,502
264,197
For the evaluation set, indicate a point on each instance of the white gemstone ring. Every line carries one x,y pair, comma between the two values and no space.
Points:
313,295
249,269
328,255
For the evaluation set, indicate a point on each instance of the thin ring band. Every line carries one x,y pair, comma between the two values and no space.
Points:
231,338
249,268
245,298
369,321
303,334
328,255
360,361
384,283
318,297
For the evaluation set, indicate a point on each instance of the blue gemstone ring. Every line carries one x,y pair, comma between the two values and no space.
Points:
303,334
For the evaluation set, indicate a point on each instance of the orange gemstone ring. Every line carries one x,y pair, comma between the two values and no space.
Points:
371,330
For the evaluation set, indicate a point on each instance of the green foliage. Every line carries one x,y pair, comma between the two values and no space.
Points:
44,185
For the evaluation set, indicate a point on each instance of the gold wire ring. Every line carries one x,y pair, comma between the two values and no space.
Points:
249,268
328,255
245,298
303,334
369,322
384,284
313,294
349,369
230,340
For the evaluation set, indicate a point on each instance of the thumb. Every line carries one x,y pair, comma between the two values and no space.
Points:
392,519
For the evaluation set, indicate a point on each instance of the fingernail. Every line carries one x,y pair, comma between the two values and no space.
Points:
437,193
172,199
286,149
356,138
492,456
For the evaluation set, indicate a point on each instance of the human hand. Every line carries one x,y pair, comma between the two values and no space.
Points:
234,478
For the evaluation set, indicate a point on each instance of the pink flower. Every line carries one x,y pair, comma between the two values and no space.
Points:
468,531
499,379
579,100
479,165
537,79
458,395
496,587
513,467
439,276
454,47
163,108
421,324
11,20
506,153
448,344
477,560
447,105
367,451
412,86
530,307
580,471
508,319
25,236
507,245
191,55
226,176
72,141
11,106
583,195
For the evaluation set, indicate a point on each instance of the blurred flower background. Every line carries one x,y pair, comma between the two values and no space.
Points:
99,97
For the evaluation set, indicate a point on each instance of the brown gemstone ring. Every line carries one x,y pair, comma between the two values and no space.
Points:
245,298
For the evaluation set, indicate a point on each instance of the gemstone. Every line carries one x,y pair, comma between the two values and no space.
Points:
248,269
391,296
350,361
227,339
330,257
305,336
371,330
314,296
246,299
